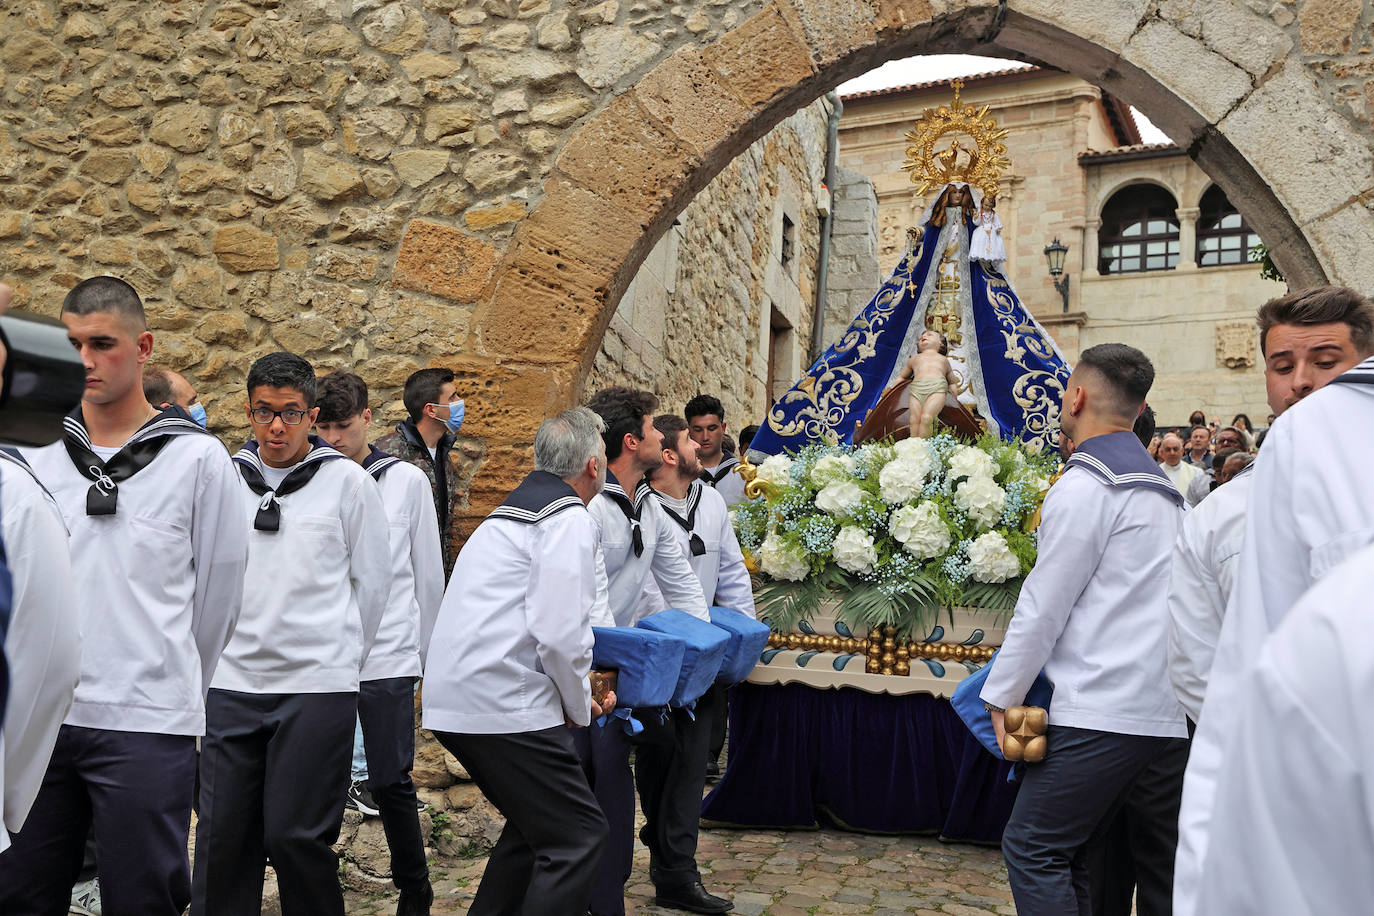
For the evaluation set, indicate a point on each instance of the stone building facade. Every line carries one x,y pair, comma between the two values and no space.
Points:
1076,155
386,184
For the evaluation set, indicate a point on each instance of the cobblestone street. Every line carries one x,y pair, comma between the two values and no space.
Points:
774,873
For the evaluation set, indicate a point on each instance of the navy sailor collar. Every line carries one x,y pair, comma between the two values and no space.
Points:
378,462
1363,374
168,421
248,455
713,477
631,509
540,495
1118,459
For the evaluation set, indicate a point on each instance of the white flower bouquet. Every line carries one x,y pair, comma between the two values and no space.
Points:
893,532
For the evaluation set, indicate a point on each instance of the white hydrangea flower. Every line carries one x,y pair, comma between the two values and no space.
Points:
853,549
991,560
902,479
912,448
781,561
920,530
832,469
776,469
840,497
968,461
982,499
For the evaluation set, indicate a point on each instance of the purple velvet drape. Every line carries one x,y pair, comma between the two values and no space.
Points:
801,757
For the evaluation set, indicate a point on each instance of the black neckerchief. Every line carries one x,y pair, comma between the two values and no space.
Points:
539,496
689,524
378,462
616,493
726,465
250,469
1363,374
1120,460
135,455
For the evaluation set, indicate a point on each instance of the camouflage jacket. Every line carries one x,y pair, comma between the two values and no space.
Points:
406,444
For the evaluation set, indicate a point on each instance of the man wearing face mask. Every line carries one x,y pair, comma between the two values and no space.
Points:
165,388
426,440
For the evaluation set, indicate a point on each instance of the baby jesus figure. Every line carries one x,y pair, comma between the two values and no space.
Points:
932,377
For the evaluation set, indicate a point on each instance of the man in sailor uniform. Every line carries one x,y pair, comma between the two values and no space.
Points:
1311,505
1092,615
508,667
706,423
637,543
274,762
671,760
157,556
385,731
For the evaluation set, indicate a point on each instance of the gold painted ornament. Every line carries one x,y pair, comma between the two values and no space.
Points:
980,167
1025,739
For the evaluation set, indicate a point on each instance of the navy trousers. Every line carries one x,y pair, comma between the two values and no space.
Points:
386,709
1066,806
605,756
670,774
134,789
545,862
274,772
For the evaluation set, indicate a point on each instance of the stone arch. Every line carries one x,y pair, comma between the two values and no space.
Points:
629,168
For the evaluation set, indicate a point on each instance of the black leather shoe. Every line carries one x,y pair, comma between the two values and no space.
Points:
416,903
693,898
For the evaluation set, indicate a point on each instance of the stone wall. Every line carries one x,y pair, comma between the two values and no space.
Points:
854,275
697,315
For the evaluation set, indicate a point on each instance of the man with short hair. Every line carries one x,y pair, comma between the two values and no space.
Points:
706,424
1091,614
1296,525
426,440
1234,463
384,735
1198,449
511,652
164,388
158,555
1179,472
637,544
274,762
672,759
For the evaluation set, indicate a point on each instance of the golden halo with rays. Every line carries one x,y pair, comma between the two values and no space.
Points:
980,167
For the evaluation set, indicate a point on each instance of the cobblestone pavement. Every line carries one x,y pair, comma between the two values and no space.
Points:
794,873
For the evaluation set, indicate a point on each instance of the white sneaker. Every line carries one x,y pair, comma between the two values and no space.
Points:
86,898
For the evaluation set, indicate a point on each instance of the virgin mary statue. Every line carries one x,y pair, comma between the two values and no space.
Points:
1005,364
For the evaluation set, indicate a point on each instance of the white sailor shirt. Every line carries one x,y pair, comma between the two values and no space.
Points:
716,559
158,583
42,645
512,645
1092,613
1293,824
1300,524
1200,581
723,478
315,590
417,569
625,572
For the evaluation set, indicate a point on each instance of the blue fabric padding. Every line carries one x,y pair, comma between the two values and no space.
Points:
648,663
975,715
706,645
748,639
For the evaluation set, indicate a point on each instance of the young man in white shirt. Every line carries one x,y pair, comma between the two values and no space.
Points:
508,668
671,757
385,733
706,424
1310,506
274,763
158,552
637,543
1092,615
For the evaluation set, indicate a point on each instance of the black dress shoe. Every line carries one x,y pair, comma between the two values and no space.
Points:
712,770
416,903
693,898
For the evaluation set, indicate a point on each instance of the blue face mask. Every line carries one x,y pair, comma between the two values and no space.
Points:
455,415
197,412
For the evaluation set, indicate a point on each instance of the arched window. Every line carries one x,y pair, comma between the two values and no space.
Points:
1223,236
1139,231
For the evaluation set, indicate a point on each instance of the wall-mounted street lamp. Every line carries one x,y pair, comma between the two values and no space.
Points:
1054,254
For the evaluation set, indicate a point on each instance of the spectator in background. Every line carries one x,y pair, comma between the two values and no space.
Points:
165,388
746,436
1197,418
1179,472
1199,449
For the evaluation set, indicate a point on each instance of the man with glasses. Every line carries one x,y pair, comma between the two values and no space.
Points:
275,760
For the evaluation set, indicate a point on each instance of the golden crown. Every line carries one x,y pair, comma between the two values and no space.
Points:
980,166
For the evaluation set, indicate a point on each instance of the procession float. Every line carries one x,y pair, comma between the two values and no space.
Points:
886,565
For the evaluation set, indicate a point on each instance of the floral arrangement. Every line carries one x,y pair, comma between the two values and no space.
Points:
893,531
